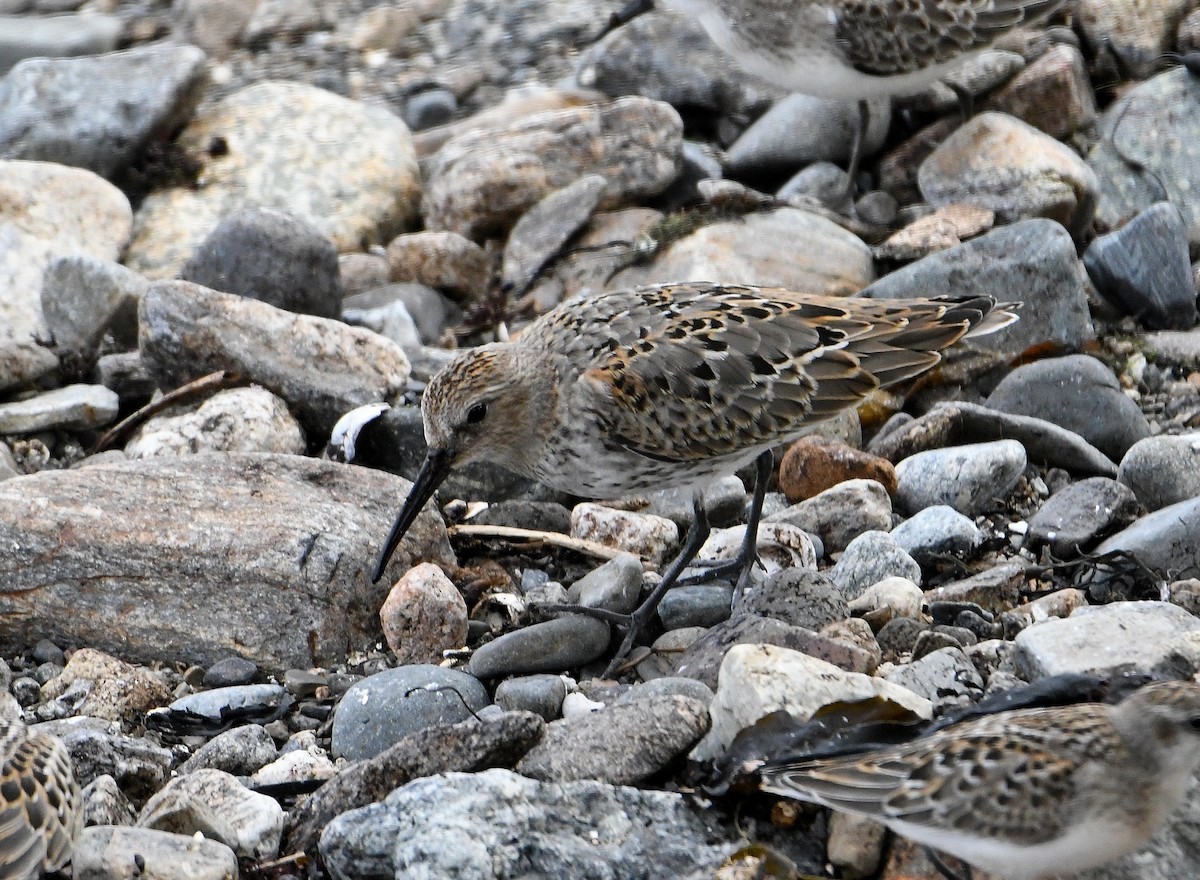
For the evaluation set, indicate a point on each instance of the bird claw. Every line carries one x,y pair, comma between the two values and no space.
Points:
634,625
614,617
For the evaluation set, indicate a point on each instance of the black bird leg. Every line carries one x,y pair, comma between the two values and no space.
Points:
742,564
945,870
966,100
636,623
856,147
624,15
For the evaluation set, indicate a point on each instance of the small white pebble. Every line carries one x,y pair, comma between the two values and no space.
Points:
578,704
1135,367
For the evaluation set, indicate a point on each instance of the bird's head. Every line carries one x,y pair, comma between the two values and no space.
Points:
489,403
1162,720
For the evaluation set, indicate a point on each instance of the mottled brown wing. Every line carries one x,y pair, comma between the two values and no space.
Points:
715,370
683,372
586,331
969,778
40,810
887,37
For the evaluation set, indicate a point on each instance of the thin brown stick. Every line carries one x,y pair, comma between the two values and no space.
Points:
120,432
540,538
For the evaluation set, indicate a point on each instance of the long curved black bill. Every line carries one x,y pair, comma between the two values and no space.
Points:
433,471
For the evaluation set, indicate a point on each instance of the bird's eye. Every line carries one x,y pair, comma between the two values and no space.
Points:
477,414
1194,723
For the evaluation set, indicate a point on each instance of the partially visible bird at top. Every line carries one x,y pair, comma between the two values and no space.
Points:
674,385
855,50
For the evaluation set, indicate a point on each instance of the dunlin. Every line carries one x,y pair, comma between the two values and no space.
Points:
853,50
41,812
1022,794
674,385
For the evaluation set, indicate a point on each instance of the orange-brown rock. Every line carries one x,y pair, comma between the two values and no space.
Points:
813,464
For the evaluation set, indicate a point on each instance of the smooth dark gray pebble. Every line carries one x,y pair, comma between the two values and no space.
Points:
550,646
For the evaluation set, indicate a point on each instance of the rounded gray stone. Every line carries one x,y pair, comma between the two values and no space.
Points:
968,478
543,230
219,701
1144,267
551,646
346,166
270,256
623,743
945,677
1077,516
98,112
1148,149
1109,639
1076,392
465,824
797,596
870,558
74,406
322,368
1162,470
800,128
823,181
162,853
229,672
84,297
57,36
400,310
899,635
615,585
429,107
386,706
1165,540
999,162
666,686
696,605
669,57
935,531
241,751
541,694
841,513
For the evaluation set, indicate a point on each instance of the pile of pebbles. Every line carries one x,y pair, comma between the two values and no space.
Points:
226,225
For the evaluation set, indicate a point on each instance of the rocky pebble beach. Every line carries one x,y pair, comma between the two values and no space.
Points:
226,225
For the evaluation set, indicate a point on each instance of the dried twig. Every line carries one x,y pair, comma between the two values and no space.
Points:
538,537
205,384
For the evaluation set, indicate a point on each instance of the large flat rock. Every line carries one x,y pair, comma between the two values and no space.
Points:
193,559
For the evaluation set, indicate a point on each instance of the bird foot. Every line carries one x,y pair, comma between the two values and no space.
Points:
614,617
634,625
945,870
638,622
712,570
736,569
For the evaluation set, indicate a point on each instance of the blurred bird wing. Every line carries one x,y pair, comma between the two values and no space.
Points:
889,37
972,778
40,810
